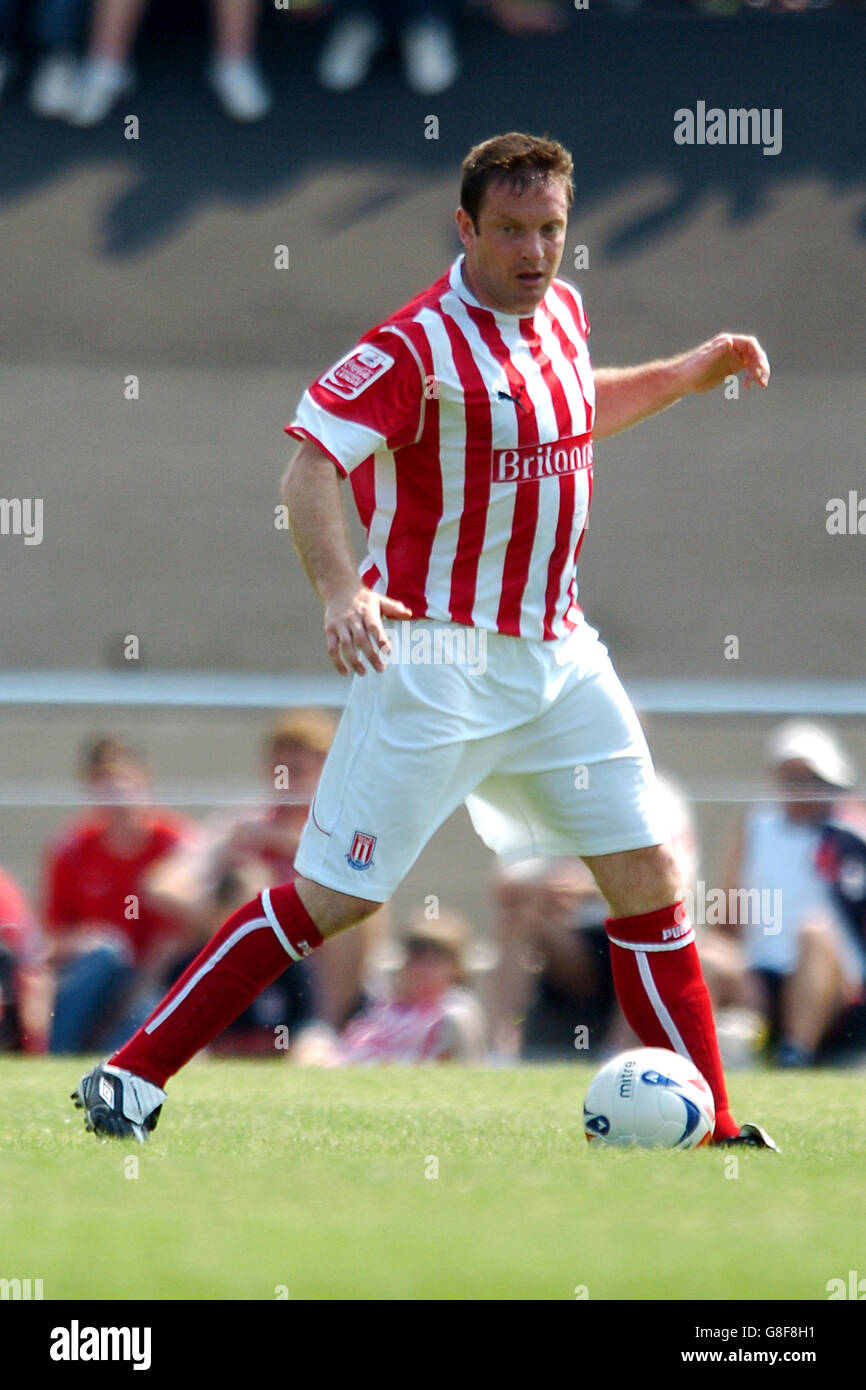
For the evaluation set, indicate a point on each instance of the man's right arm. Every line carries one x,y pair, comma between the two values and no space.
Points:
353,613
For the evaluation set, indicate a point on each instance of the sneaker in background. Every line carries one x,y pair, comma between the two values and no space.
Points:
240,88
347,57
101,84
429,56
54,86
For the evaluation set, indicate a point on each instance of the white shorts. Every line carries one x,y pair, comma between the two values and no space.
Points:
538,738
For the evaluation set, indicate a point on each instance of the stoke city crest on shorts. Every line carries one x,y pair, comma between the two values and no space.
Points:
360,856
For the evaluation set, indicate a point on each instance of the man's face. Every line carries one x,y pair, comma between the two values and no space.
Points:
515,252
302,764
426,975
806,798
120,788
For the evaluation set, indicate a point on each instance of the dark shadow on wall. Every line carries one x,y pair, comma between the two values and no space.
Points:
608,86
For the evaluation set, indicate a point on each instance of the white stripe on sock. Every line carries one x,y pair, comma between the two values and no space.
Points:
278,931
237,935
658,1004
662,946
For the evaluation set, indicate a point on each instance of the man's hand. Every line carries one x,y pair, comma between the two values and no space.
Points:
353,613
624,396
353,626
726,355
82,939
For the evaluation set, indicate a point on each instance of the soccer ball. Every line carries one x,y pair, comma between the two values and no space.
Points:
649,1097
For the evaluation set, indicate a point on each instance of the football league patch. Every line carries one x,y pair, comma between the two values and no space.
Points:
356,371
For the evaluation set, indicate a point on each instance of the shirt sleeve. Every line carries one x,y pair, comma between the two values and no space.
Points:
59,899
372,399
18,930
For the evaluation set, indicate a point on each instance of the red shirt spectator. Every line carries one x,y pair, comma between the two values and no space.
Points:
18,930
88,884
20,935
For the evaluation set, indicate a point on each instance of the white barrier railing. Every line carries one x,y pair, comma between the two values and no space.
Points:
264,690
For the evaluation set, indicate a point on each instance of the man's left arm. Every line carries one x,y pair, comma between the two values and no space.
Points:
626,395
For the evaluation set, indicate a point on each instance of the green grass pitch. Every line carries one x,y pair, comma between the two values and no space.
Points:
263,1181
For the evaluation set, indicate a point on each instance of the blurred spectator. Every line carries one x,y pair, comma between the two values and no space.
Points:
423,30
430,1017
841,862
554,964
109,947
260,845
234,76
799,959
24,1001
522,17
721,9
56,29
554,974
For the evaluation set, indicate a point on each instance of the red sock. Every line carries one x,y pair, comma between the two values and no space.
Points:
664,997
249,951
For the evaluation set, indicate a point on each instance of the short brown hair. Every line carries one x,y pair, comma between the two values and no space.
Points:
312,729
103,752
518,160
447,935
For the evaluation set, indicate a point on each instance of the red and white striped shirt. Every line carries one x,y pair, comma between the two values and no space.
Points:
451,1026
467,435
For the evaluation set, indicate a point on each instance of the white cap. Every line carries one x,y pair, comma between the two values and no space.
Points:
814,746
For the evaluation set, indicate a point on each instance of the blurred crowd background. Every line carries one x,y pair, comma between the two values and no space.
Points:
130,891
151,354
84,49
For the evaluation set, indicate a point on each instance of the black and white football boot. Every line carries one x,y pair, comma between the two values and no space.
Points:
118,1104
750,1137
